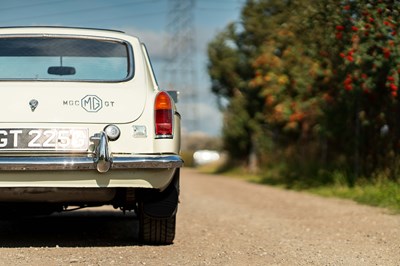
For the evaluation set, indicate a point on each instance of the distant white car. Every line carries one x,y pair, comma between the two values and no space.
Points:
202,157
85,124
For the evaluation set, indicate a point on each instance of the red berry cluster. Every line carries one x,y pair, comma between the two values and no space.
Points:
392,86
348,83
349,55
339,32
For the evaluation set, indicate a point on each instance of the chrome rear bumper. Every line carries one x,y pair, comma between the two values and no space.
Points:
87,163
101,160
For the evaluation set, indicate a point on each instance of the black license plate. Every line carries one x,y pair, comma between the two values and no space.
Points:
63,139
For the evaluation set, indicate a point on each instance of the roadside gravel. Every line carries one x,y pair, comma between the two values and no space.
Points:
221,221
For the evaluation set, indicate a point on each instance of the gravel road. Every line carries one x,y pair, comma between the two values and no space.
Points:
221,221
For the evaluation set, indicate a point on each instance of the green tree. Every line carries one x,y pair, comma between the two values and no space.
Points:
315,82
295,72
231,55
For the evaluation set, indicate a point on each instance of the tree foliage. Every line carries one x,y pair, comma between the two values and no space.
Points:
312,82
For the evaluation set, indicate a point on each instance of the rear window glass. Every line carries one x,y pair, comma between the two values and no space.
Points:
70,59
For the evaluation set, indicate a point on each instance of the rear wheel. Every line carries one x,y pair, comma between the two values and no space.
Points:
157,214
157,231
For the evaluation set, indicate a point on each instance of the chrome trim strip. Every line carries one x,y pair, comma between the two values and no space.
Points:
166,161
43,163
60,27
164,137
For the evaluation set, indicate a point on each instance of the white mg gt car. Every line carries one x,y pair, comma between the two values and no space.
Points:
84,124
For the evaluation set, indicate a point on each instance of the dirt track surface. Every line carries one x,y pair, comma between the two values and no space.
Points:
221,221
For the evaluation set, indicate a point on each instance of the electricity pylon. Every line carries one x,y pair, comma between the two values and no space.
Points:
180,67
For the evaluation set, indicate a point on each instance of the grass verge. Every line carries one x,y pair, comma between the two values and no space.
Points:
382,193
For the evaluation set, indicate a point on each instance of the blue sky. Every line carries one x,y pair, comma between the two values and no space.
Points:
147,19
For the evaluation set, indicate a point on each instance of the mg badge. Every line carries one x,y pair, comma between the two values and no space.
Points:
33,104
92,103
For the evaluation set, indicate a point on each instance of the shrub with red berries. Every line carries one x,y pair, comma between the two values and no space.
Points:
368,73
371,45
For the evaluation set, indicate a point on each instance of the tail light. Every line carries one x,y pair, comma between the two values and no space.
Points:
163,115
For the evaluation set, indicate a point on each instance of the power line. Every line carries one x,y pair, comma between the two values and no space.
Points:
79,10
31,5
114,18
216,9
131,16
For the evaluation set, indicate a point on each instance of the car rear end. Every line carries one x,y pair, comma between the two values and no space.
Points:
84,124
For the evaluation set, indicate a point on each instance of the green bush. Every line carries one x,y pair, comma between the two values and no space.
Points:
187,157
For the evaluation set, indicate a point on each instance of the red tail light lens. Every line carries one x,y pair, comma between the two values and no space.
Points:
163,115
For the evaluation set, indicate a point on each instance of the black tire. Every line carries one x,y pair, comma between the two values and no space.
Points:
157,231
157,214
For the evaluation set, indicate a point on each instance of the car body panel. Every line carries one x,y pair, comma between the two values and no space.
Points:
89,105
72,102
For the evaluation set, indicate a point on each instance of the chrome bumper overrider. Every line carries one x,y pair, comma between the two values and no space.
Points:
101,160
